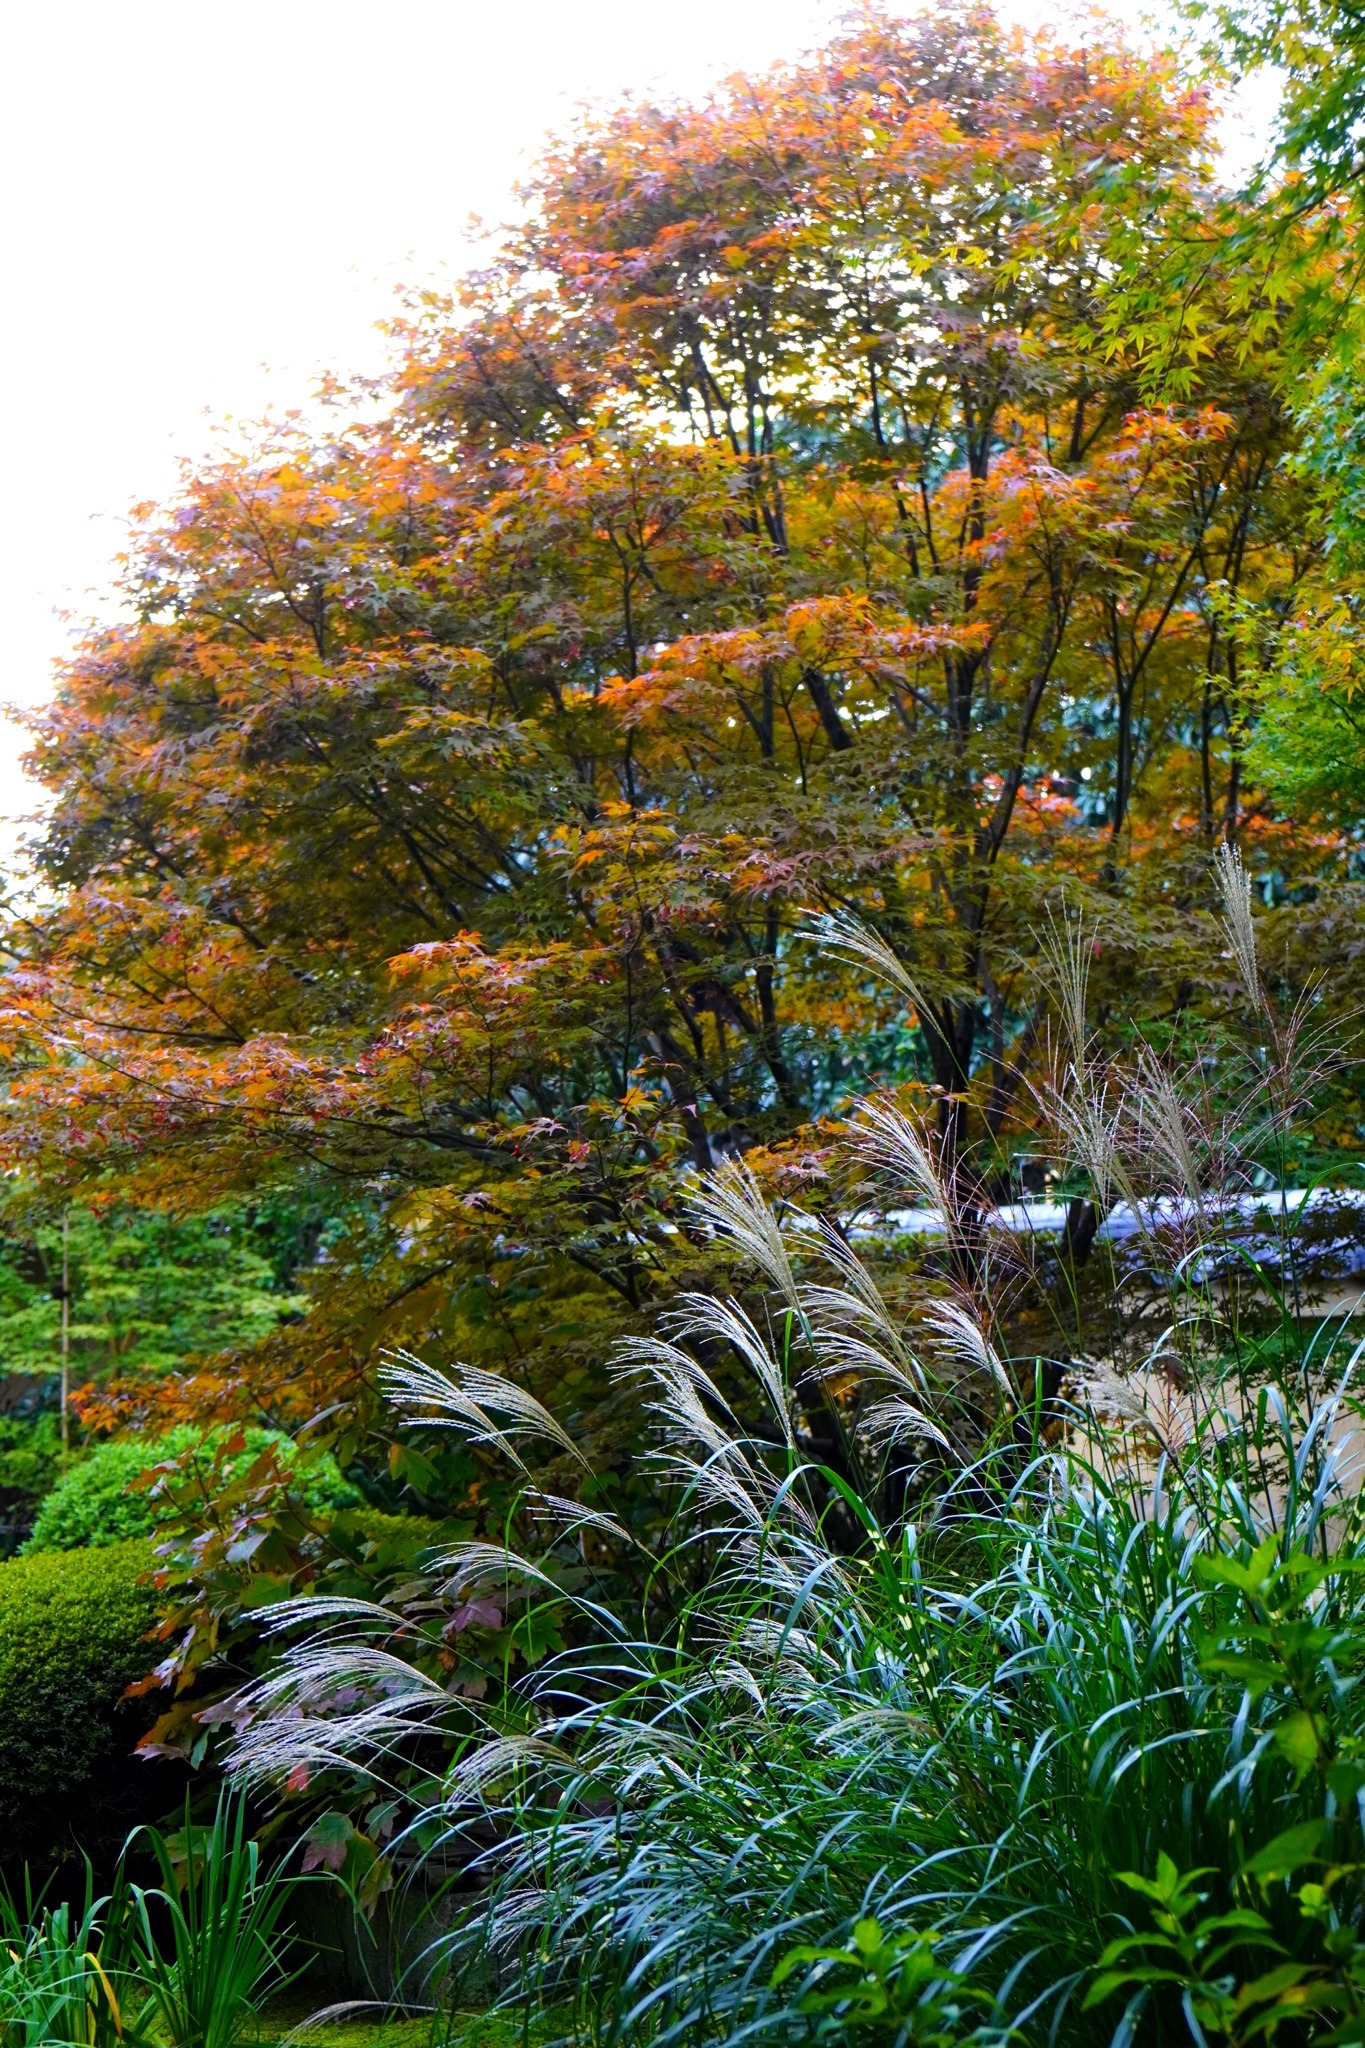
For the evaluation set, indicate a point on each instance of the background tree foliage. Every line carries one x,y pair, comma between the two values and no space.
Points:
793,517
148,1291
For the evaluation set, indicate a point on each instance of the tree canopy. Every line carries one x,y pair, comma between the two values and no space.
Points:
794,520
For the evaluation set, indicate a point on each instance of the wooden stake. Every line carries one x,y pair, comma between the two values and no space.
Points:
66,1332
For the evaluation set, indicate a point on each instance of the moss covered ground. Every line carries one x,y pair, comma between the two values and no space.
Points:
294,2020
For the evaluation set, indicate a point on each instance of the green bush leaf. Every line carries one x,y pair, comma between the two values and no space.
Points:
1288,1852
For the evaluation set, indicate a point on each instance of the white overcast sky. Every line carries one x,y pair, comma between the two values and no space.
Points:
202,205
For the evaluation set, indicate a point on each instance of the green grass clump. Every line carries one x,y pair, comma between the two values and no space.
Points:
185,1963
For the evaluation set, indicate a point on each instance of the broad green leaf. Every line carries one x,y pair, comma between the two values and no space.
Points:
1288,1852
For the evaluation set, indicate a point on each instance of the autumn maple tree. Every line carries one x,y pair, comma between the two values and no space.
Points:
780,526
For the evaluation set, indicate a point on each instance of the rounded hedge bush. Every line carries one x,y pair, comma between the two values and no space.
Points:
97,1501
73,1635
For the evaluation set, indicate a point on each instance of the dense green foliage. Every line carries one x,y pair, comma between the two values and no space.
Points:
149,1295
30,1456
73,1635
148,1292
110,1494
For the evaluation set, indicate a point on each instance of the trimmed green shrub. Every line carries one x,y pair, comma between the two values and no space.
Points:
98,1501
73,1629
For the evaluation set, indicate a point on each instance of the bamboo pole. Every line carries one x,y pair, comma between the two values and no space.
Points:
66,1333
